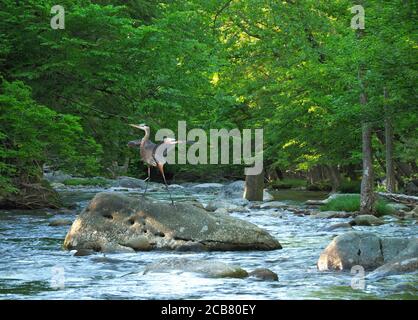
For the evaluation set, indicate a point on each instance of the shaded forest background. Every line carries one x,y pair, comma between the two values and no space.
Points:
294,68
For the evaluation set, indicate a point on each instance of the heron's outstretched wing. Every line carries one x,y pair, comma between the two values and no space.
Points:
134,143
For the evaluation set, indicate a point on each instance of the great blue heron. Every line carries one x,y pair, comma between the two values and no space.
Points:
154,155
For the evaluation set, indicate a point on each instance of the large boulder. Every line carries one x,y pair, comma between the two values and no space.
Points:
365,249
116,222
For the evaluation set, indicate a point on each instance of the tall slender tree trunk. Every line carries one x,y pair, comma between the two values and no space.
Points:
367,181
367,193
254,186
390,171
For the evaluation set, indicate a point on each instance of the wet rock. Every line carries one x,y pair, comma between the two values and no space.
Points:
114,222
395,267
273,205
343,225
398,248
398,206
140,243
228,206
365,249
129,182
264,274
368,220
350,249
332,214
207,187
60,222
211,269
233,190
300,211
221,211
194,203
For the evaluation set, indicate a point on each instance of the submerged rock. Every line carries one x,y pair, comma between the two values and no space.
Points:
207,187
129,182
212,269
395,267
227,206
233,190
342,225
365,249
116,222
264,274
60,222
273,205
331,214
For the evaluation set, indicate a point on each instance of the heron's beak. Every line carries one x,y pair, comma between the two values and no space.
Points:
135,126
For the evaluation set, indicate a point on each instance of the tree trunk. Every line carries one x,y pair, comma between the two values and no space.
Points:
367,195
390,172
335,178
367,192
254,186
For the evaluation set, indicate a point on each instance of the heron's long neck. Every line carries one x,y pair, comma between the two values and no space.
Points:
146,137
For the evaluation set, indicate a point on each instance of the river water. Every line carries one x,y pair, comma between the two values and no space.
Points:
33,264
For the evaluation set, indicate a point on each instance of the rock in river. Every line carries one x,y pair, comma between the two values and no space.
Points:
60,222
116,222
212,269
264,274
129,182
367,220
367,250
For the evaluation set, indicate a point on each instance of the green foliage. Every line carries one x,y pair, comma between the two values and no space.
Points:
351,203
348,186
32,135
324,185
289,67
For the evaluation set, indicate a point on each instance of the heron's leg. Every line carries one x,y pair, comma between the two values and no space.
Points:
147,180
161,167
